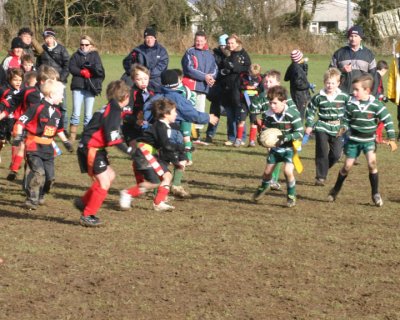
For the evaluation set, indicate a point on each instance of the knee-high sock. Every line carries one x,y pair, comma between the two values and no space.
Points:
16,162
85,198
374,180
253,132
138,176
188,146
95,201
162,193
291,188
276,172
178,175
135,191
339,181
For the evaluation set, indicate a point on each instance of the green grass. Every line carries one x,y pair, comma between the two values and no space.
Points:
218,255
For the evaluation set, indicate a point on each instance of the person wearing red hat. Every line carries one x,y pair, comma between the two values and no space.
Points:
354,60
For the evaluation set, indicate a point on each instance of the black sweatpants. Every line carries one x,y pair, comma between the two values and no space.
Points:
328,150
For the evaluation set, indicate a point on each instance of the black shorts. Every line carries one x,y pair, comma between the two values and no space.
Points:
100,163
143,166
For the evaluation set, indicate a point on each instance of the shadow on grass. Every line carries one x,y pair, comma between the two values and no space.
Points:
33,216
228,174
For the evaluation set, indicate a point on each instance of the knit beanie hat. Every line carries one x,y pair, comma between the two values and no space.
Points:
296,56
49,32
169,79
356,30
149,32
222,40
17,43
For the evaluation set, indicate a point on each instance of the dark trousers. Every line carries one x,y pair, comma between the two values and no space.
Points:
39,176
328,150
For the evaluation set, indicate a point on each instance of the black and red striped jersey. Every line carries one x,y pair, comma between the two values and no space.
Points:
103,130
7,94
42,121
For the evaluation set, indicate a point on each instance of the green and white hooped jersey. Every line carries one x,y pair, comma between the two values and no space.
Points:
260,104
289,122
329,110
362,118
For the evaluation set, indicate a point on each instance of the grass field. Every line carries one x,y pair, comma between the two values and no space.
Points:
218,255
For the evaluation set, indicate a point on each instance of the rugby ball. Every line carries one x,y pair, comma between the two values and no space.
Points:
269,137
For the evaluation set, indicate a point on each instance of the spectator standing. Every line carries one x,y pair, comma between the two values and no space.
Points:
200,71
354,60
87,79
151,55
234,64
296,74
214,94
56,55
32,46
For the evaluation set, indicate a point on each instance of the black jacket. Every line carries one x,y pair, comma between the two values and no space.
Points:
299,86
233,65
89,61
57,58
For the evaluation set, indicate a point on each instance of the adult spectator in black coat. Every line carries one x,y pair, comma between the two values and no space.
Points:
87,79
55,55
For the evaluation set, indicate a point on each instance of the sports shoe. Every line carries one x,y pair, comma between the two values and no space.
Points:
228,143
90,221
11,176
291,201
259,193
209,139
275,185
180,192
377,199
163,206
319,182
252,144
31,205
125,200
238,143
332,195
78,203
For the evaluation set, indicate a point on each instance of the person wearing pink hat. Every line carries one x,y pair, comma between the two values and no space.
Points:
296,74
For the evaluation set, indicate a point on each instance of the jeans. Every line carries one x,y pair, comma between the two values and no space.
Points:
79,96
63,109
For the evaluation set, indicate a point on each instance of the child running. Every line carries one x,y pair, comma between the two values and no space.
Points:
363,111
288,121
155,151
328,105
42,124
102,131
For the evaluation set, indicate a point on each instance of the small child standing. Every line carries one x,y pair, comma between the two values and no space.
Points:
102,131
328,105
42,124
27,63
299,86
381,69
288,121
155,152
360,117
250,87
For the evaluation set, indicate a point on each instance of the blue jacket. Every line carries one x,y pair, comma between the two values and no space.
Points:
153,58
196,64
184,108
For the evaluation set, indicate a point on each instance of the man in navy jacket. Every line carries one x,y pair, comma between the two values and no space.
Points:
150,54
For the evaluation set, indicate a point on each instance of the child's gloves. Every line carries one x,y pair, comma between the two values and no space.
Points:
17,140
86,73
392,144
311,86
68,146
